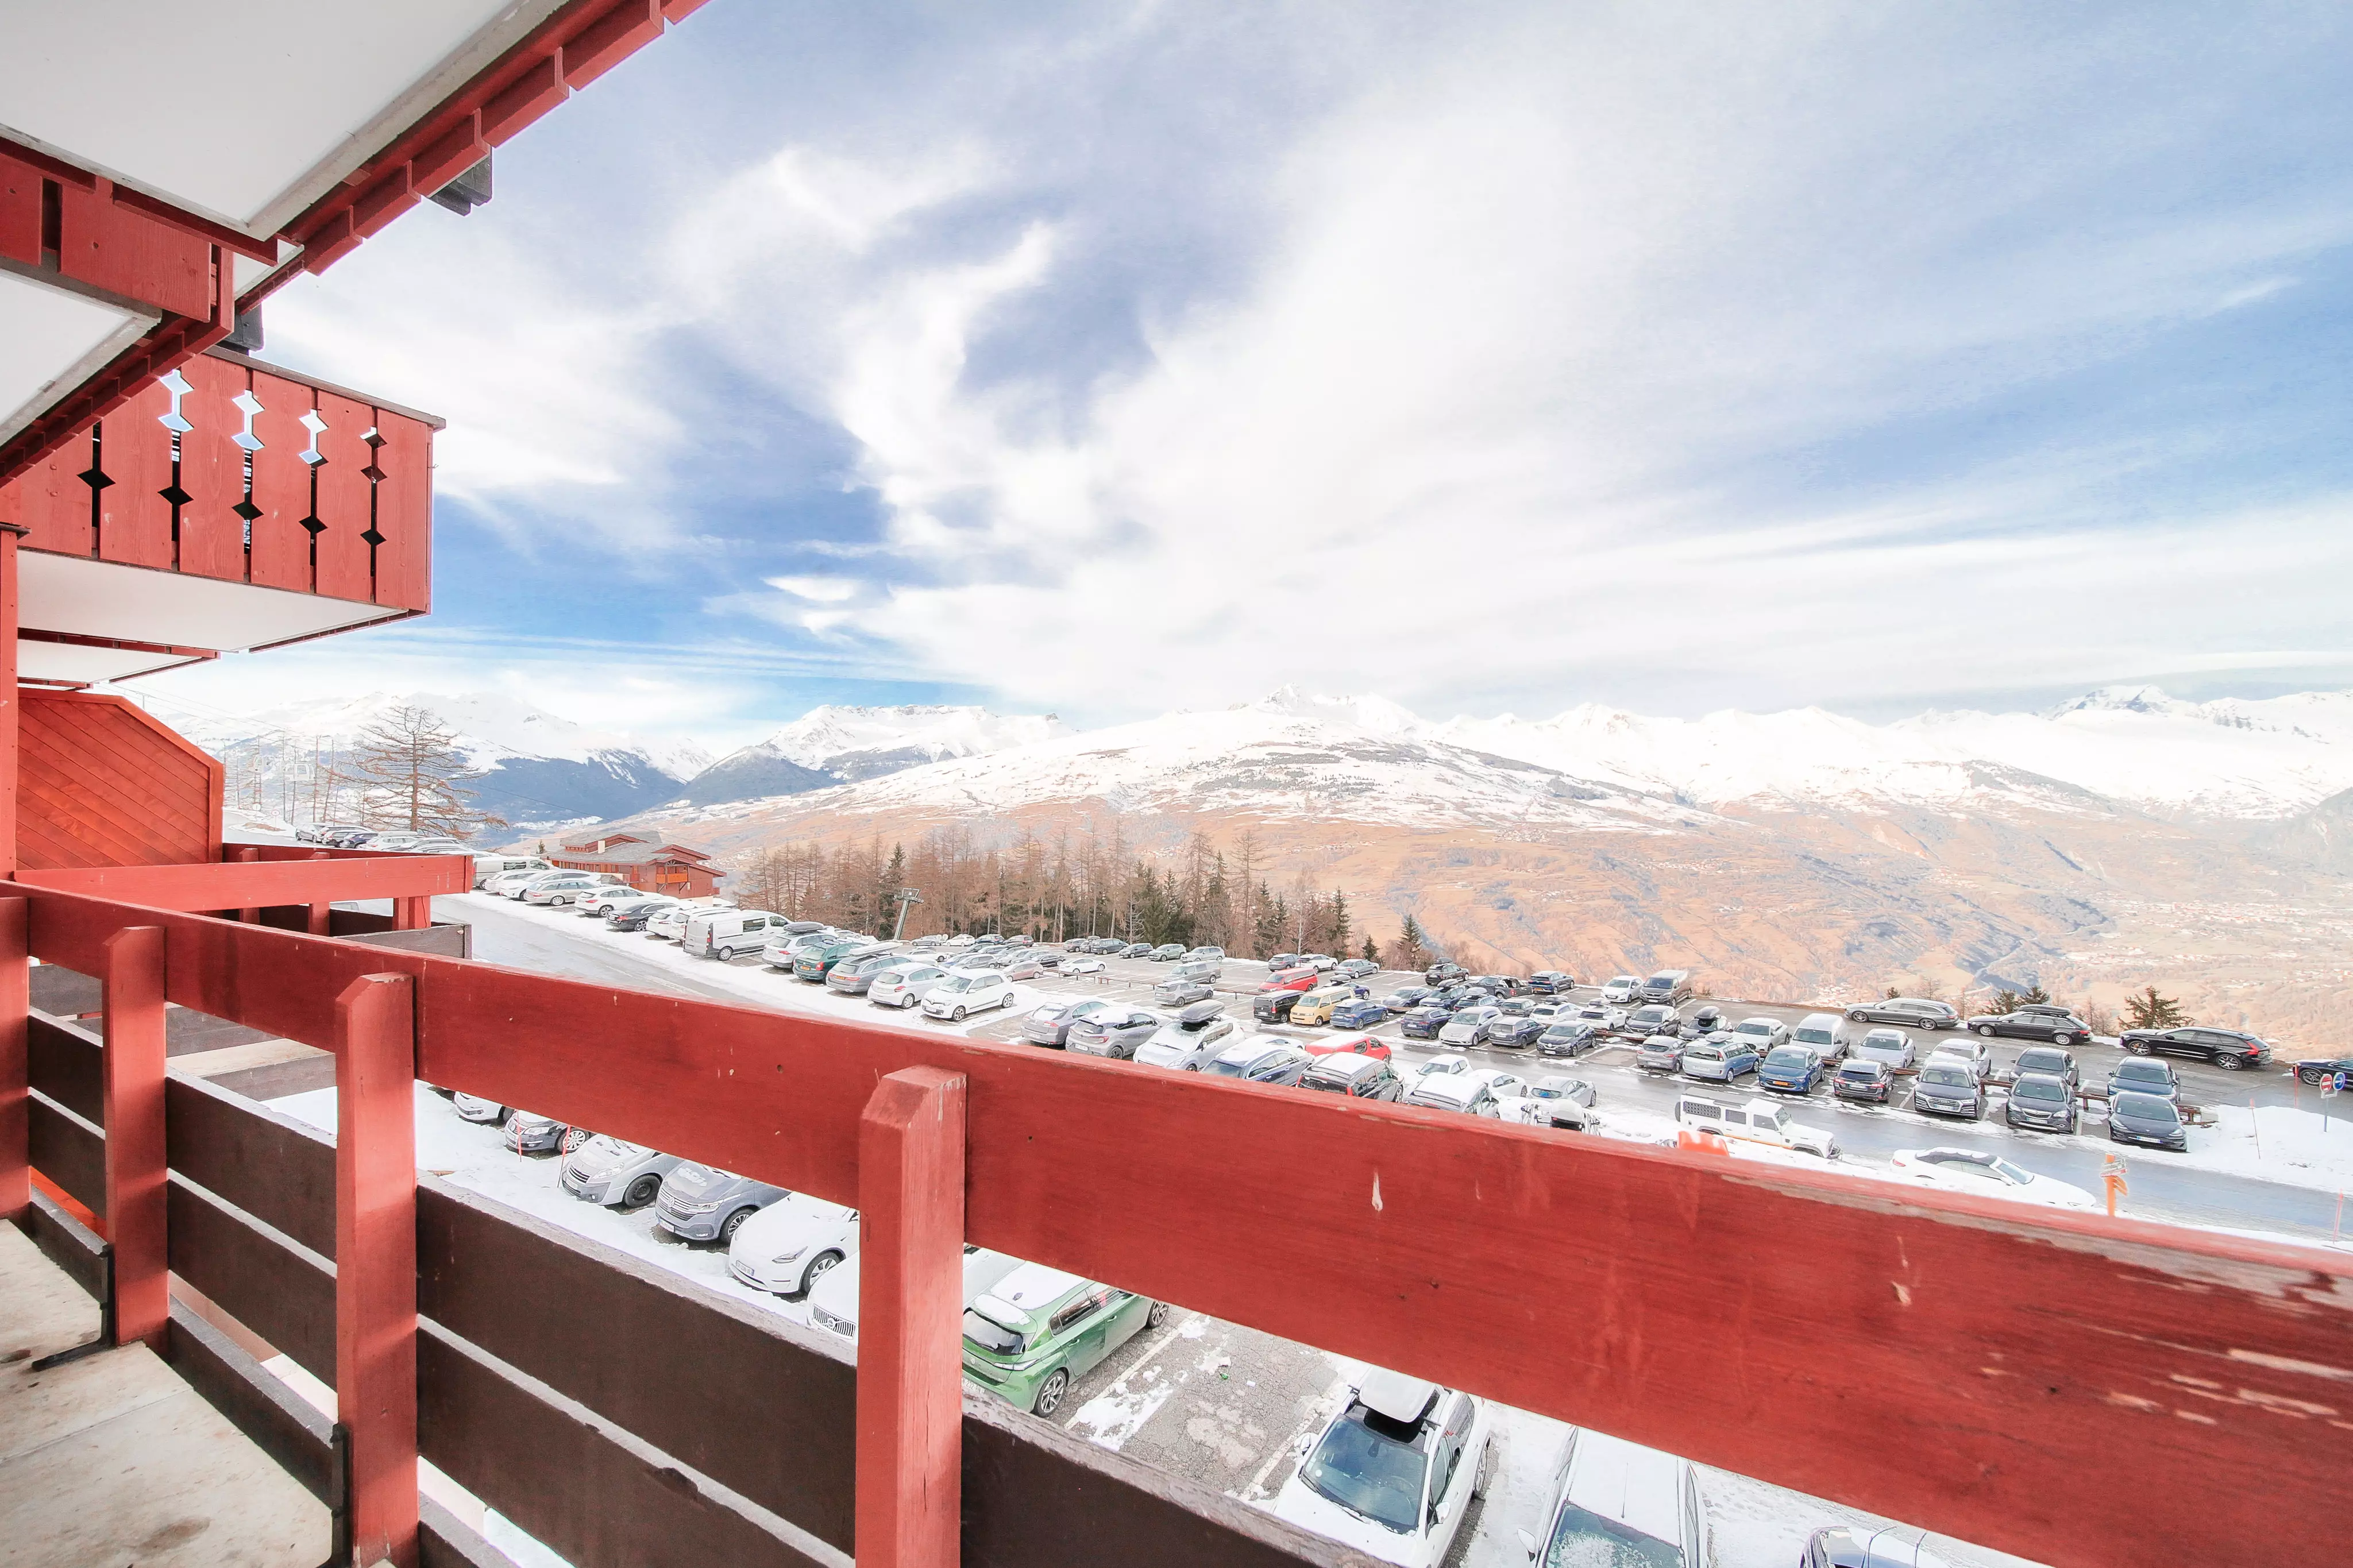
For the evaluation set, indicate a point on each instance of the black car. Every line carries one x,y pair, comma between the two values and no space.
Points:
1518,1034
1703,1023
2320,1070
1500,984
1550,982
1573,1038
1423,1023
1274,1006
2146,1119
2041,1099
2052,1062
2232,1049
1406,998
1438,974
1870,1082
633,919
2033,1024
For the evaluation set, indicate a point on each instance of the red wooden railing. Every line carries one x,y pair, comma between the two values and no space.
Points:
1934,1358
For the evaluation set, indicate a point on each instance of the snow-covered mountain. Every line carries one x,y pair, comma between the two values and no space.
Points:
829,745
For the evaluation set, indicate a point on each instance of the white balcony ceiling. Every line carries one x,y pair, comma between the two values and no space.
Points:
49,340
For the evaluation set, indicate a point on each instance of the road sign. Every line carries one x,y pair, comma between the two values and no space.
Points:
2112,1177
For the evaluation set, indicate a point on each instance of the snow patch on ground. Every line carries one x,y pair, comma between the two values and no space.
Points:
2272,1143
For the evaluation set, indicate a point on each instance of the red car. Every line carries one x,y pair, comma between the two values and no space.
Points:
1359,1045
1292,980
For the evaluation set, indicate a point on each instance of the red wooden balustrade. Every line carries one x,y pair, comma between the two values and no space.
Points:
131,980
375,1260
1931,1357
411,881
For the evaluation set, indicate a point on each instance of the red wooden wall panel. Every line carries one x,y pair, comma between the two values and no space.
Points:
50,499
344,497
282,484
128,253
134,520
212,469
20,212
404,512
101,784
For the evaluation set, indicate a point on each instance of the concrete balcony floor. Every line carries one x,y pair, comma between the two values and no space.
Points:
111,1461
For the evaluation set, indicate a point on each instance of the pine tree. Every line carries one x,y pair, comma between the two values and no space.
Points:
1411,949
1339,921
1372,953
413,777
2147,1010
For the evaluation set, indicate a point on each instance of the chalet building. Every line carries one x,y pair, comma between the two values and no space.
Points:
656,864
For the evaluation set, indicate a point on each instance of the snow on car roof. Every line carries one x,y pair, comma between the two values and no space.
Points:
1396,1395
1627,1482
1032,1287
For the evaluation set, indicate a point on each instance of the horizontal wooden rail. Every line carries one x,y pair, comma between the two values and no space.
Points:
233,885
1931,1357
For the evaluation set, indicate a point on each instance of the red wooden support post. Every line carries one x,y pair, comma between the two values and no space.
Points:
132,992
413,913
321,913
15,1062
249,914
376,1261
911,1309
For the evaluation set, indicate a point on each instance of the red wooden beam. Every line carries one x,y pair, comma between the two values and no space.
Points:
1925,1356
254,884
132,992
16,1061
376,1261
911,1309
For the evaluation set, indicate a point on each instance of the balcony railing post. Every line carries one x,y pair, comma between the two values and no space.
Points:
132,994
320,915
250,915
376,1261
911,1174
16,1061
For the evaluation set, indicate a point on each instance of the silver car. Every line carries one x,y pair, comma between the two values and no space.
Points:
1050,1023
906,987
1762,1033
855,976
1181,992
1890,1049
1188,1041
703,1202
1116,1031
617,1173
1464,1027
1913,1011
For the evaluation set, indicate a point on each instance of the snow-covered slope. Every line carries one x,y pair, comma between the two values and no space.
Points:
853,743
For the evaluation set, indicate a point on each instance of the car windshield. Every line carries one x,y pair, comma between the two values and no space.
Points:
957,983
2038,1089
1704,1053
2141,1072
1754,1026
1371,1466
1584,1540
1947,1078
991,1335
1784,1056
1225,1069
1859,1072
1327,1083
2011,1174
2147,1108
2041,1061
1814,1036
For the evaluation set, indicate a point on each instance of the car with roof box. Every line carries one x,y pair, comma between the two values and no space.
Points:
1037,1330
1393,1471
1189,1040
1261,1058
1617,1504
1704,1020
1719,1059
1359,1077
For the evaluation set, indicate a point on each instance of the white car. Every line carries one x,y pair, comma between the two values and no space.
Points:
472,1107
1082,967
1393,1472
1600,1014
669,925
600,901
1460,1091
1618,1503
785,1246
833,1300
905,985
565,887
1762,1033
1446,1064
1188,1041
962,993
1891,1048
1987,1176
1321,962
510,884
1463,1029
1623,990
1973,1054
1758,1121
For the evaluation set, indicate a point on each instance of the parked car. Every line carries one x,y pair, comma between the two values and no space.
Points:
2050,1062
1082,967
1359,1012
727,933
1790,1069
1345,1072
1293,979
1167,952
1026,965
1116,1031
1946,1087
905,986
1182,993
1510,1033
473,1108
1137,950
1205,954
486,867
1869,1082
1976,1055
854,976
554,888
1554,1086
1322,962
530,1134
958,995
1191,968
2032,1024
1719,1059
833,1300
1262,1058
1187,1041
599,901
1758,1121
1671,986
1617,1504
1820,1030
1393,1472
2232,1049
615,1173
2320,1070
631,914
1765,1034
1705,1020
2145,1078
1466,1092
1889,1047
1622,990
1660,1053
784,1248
1050,1023
703,1202
815,961
1357,968
1601,1015
1651,1018
2041,1099
1987,1175
1465,1026
1424,1023
1037,1330
1550,981
1912,1012
1315,1006
510,884
2148,1118
1570,1038
1406,998
1438,974
1861,1546
1281,961
1274,1006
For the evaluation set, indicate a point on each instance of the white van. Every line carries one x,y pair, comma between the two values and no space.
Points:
1759,1121
724,933
1820,1030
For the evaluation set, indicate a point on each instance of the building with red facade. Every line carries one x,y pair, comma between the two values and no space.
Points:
656,864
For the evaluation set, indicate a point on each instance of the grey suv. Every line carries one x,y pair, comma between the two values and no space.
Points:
1116,1031
1050,1023
702,1203
617,1173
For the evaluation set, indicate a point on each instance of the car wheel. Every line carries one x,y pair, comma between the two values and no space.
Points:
2138,1047
733,1222
642,1191
2311,1075
1051,1392
818,1265
2228,1062
1854,1016
1157,1316
958,1015
907,1001
1986,1031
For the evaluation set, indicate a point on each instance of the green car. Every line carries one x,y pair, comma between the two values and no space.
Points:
815,962
1039,1328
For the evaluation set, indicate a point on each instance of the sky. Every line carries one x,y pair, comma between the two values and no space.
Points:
1107,359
